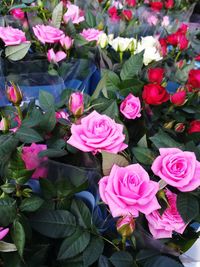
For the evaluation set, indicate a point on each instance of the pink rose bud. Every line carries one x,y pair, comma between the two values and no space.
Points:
55,57
76,104
67,42
14,94
179,127
126,226
179,98
17,13
4,124
62,115
3,232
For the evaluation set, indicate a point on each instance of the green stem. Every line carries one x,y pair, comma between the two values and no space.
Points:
124,243
19,112
177,56
121,57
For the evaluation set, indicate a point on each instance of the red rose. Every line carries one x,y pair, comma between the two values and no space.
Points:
112,12
127,14
163,44
156,6
156,75
194,78
182,42
172,39
194,127
155,94
169,4
179,98
131,3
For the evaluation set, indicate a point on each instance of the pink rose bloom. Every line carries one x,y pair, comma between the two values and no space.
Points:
163,226
128,191
32,160
3,232
91,34
48,34
17,13
12,36
178,168
67,42
131,107
74,14
152,20
55,57
62,115
165,21
76,103
97,133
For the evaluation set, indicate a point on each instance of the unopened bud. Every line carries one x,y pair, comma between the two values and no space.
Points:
4,124
14,94
126,226
169,125
179,127
76,104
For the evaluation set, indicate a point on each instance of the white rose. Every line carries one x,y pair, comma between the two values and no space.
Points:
120,44
103,40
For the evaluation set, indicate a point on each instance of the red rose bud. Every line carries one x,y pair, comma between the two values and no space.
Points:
155,94
179,98
113,14
194,78
156,6
169,4
131,3
156,75
76,104
179,127
126,226
14,94
163,44
127,14
194,127
183,42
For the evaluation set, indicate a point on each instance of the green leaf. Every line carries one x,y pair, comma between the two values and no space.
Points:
93,251
188,206
143,155
17,52
53,153
46,101
90,19
8,144
74,244
48,188
82,213
7,247
7,211
8,188
54,223
103,261
106,106
121,259
132,66
80,41
162,139
33,118
57,15
48,122
18,236
31,204
28,135
162,261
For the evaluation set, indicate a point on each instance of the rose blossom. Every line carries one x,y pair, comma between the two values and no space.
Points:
91,34
55,57
12,36
48,34
155,75
62,115
67,42
157,5
3,232
131,107
112,12
131,3
178,168
128,191
162,226
128,15
194,78
74,14
17,13
155,94
194,127
98,133
178,98
76,103
32,160
169,4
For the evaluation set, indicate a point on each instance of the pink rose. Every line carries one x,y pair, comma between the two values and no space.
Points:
74,14
97,133
32,160
48,34
62,115
128,191
17,13
12,36
67,42
55,57
126,226
3,232
178,168
91,34
163,226
76,103
131,107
